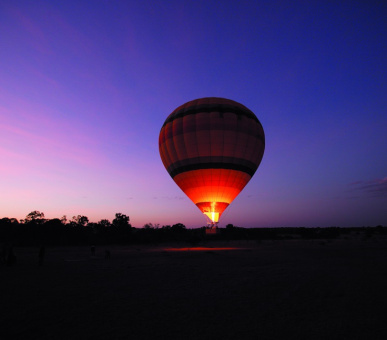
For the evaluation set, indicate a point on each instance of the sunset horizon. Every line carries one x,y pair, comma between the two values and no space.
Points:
85,88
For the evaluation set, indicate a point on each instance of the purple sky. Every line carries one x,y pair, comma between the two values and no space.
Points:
85,87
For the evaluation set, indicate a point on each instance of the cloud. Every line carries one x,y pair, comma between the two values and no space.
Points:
375,188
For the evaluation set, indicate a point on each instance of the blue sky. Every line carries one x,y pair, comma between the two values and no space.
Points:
85,87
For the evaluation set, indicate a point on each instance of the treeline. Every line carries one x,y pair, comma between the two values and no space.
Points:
35,229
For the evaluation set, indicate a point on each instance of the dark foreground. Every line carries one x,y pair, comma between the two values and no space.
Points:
289,289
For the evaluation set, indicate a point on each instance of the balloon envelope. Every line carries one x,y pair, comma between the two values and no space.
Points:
211,147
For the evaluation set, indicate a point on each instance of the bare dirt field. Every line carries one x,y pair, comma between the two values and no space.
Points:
289,289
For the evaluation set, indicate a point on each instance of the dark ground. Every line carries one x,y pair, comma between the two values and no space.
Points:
289,289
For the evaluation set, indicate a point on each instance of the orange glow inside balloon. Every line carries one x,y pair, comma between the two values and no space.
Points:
211,147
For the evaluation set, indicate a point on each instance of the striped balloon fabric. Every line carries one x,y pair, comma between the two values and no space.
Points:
211,147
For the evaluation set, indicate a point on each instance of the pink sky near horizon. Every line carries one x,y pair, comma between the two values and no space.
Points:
85,88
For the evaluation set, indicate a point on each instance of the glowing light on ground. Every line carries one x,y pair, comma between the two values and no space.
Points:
202,249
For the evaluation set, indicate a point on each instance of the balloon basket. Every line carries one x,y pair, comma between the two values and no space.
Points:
211,230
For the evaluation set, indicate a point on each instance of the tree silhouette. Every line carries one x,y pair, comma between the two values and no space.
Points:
35,216
121,221
148,226
178,227
104,223
80,220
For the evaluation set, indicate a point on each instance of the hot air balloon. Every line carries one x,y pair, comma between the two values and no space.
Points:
211,147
